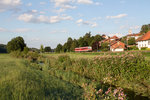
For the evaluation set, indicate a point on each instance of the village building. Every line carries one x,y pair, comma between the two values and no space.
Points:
136,36
114,43
144,41
117,46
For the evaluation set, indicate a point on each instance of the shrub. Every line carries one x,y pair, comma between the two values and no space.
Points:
133,48
143,48
16,44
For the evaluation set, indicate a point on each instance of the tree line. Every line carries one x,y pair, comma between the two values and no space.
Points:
86,40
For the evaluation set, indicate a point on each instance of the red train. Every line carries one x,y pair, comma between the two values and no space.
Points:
83,49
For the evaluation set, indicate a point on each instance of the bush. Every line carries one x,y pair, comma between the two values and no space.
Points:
143,48
133,48
16,44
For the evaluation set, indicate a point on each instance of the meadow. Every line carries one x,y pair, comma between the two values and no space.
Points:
73,76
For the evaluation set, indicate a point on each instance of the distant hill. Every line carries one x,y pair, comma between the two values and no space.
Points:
3,48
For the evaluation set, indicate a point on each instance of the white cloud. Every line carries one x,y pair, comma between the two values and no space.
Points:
43,19
65,4
71,4
85,1
26,17
117,16
9,4
90,23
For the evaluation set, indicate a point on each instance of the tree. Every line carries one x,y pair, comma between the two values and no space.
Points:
42,48
131,41
124,39
47,49
98,38
58,48
145,28
16,44
105,46
26,50
74,45
68,44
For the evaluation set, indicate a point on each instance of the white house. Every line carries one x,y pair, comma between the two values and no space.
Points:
117,46
144,41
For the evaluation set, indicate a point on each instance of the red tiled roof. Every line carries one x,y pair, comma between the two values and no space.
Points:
145,37
109,40
138,34
118,45
114,37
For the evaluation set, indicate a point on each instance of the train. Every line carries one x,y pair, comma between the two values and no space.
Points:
83,49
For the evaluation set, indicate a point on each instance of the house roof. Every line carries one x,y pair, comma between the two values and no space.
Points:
118,44
138,34
145,37
110,39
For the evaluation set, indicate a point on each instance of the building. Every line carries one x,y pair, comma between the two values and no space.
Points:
117,46
114,43
144,41
136,36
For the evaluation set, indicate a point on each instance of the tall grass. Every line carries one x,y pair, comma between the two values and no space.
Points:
129,70
18,81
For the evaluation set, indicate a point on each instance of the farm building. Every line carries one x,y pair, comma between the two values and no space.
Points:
117,46
144,41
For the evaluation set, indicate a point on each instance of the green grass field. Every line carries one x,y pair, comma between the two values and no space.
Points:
68,76
19,81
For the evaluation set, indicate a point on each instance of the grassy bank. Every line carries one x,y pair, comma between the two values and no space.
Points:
109,76
20,81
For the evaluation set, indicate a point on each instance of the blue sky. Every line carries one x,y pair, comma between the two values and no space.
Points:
50,22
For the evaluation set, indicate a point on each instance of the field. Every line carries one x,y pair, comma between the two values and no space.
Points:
68,76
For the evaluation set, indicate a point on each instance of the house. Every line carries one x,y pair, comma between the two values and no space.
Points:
117,46
109,39
136,36
114,43
144,41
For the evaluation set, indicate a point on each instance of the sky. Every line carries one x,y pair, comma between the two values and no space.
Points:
49,22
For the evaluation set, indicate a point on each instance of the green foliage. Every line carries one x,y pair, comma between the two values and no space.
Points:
18,81
145,28
133,48
105,46
86,40
121,70
3,48
74,45
47,49
124,39
58,48
42,49
143,48
16,44
26,50
131,41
